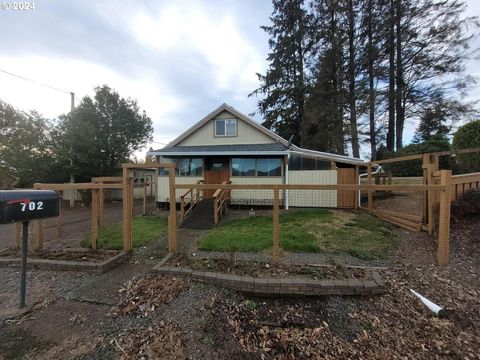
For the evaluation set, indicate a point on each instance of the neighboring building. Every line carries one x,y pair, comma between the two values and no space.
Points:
228,145
143,178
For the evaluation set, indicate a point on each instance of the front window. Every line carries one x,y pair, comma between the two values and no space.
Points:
185,167
196,166
225,127
243,167
256,167
269,167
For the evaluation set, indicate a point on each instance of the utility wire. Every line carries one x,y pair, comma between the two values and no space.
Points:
35,82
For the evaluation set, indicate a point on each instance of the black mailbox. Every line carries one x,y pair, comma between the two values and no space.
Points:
25,205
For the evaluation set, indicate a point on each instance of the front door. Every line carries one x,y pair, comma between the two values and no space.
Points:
217,170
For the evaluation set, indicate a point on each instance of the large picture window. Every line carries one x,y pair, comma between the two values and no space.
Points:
256,167
269,167
196,167
225,127
243,167
300,163
185,167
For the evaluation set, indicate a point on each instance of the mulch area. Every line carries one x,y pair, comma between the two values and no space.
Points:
171,318
265,269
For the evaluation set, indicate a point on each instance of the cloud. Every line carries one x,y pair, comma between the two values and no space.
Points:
215,38
179,59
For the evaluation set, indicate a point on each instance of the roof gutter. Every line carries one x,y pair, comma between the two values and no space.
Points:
333,157
214,153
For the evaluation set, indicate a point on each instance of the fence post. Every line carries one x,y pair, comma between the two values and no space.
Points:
58,220
215,210
431,201
155,187
444,217
94,206
276,223
172,223
101,204
370,196
38,235
357,192
144,197
127,212
426,175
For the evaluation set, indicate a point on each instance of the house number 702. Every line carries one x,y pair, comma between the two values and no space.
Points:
32,206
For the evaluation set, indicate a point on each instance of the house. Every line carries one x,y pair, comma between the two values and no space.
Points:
229,145
143,184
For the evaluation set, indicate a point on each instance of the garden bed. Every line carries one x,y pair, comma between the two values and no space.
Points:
258,269
279,280
67,259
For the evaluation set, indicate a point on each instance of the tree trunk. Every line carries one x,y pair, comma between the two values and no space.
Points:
371,88
301,82
351,80
337,85
399,79
391,80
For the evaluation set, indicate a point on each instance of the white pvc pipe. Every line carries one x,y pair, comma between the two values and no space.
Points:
437,310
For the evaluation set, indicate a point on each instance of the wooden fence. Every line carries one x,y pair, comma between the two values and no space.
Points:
97,187
442,189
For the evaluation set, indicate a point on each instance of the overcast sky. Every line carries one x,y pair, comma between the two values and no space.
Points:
179,59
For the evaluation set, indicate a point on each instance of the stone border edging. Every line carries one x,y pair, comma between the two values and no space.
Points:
66,265
279,287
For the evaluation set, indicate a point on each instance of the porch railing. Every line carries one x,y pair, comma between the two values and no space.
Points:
188,200
220,202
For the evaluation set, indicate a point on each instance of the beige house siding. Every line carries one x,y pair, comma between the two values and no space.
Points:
163,190
313,198
246,134
255,197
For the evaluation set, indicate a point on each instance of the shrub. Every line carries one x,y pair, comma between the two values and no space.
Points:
468,136
469,205
413,167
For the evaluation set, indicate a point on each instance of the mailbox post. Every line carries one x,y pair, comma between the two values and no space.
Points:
23,206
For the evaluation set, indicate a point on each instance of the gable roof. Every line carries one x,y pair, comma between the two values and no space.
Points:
280,146
238,114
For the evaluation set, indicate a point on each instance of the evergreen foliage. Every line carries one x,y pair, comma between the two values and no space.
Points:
345,72
468,136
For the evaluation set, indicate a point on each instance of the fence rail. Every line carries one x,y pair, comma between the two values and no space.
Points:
463,183
406,219
193,198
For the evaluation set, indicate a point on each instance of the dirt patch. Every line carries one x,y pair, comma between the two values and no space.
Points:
155,342
144,294
259,269
16,343
58,328
71,318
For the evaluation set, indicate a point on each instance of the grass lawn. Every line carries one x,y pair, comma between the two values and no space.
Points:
306,230
145,229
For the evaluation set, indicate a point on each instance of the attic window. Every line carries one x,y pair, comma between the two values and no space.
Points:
225,127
